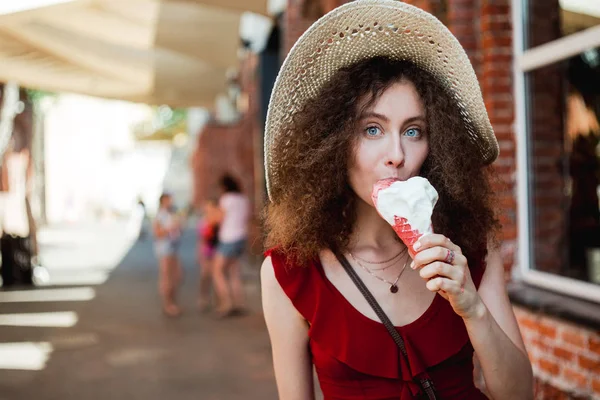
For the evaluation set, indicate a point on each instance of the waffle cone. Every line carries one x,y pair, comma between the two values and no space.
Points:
407,234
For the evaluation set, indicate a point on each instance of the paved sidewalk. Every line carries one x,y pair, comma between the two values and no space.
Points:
123,348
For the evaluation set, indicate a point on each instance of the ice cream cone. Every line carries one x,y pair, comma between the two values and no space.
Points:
403,203
408,235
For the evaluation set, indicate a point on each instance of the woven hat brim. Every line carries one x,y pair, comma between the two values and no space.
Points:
369,28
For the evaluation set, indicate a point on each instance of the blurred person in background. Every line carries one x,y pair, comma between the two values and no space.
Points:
167,233
18,245
136,226
208,239
140,211
234,209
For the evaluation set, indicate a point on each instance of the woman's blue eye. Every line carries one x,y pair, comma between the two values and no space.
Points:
413,132
373,131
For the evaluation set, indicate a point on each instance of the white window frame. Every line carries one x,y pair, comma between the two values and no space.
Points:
524,61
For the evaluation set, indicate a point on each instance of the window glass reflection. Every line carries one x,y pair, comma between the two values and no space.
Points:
564,147
549,20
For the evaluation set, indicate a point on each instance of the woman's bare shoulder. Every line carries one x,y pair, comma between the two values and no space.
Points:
267,273
277,306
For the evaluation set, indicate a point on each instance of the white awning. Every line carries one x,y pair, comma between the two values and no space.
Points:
175,52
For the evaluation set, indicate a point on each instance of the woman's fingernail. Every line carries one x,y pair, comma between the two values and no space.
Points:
417,246
412,265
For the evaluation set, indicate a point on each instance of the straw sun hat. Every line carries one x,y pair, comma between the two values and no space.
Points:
368,28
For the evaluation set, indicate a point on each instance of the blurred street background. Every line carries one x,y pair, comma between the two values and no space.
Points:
107,104
95,331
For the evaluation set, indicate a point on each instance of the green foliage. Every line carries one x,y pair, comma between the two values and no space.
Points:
178,115
164,124
36,96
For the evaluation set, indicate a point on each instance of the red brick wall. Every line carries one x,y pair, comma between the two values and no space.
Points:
439,8
427,5
566,358
222,149
300,14
495,76
462,20
295,23
231,148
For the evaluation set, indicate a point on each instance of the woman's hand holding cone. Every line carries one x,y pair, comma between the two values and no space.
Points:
442,264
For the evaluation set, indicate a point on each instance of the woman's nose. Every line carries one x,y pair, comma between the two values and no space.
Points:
395,154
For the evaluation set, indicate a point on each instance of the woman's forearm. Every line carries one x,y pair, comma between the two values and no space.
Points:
506,369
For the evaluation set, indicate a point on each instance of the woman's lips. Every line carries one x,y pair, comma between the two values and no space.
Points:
382,184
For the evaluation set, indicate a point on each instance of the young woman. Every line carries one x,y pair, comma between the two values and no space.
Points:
167,233
233,233
380,89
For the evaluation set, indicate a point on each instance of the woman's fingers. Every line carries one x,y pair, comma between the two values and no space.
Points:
437,253
435,240
448,286
442,264
442,269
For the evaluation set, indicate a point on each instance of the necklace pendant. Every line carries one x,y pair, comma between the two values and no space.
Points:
394,288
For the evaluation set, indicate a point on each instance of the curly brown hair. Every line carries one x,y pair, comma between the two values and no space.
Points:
313,206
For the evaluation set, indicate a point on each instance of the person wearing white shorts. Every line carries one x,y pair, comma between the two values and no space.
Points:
167,233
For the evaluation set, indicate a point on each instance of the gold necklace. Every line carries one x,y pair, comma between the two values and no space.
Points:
393,285
380,262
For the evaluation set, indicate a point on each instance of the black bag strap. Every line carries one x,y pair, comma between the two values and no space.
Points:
425,383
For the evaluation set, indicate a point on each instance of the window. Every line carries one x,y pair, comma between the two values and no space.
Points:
548,20
557,93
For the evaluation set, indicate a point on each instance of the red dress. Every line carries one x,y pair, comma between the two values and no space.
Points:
356,358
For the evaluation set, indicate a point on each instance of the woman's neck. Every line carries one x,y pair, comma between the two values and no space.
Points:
372,237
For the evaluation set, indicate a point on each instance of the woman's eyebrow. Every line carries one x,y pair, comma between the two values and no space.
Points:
418,118
371,114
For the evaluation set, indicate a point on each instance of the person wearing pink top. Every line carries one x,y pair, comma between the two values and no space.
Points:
233,234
